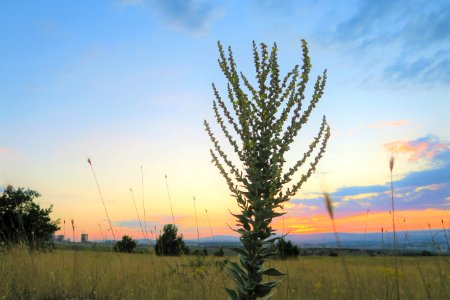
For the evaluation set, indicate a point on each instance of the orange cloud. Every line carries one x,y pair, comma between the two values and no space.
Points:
427,147
405,220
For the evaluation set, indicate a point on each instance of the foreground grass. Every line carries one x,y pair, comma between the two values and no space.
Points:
65,274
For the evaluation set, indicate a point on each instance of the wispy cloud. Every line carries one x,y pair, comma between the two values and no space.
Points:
130,2
425,147
194,16
431,187
415,32
360,196
6,151
383,124
432,69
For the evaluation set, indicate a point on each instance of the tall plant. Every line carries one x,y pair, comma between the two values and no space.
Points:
260,125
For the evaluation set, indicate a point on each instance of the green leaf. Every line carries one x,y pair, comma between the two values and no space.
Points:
240,251
232,294
236,277
272,272
262,290
236,267
271,241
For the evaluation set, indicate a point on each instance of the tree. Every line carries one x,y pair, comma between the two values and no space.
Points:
286,249
23,221
260,125
170,243
127,244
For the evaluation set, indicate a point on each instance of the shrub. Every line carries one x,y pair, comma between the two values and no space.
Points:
219,253
287,249
127,244
170,243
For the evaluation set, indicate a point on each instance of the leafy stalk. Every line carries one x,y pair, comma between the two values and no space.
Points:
260,136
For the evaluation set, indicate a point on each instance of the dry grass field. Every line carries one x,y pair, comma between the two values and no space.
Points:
67,274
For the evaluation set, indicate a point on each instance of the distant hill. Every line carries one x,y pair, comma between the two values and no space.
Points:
432,240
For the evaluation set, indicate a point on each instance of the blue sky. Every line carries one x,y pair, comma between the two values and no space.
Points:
128,83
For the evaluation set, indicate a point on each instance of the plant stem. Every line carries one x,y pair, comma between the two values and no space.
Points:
170,201
196,221
395,239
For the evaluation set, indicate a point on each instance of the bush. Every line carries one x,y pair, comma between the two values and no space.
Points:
219,253
425,253
127,244
24,221
286,249
170,243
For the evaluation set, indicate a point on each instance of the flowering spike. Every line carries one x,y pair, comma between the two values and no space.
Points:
258,128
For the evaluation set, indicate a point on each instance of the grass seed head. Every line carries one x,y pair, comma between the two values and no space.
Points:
391,163
329,205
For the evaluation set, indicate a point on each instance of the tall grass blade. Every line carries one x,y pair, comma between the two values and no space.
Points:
196,221
170,201
103,201
391,167
143,203
209,223
137,214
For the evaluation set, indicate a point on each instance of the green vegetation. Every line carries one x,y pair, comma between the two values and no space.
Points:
169,243
68,274
260,126
219,253
286,249
127,244
23,221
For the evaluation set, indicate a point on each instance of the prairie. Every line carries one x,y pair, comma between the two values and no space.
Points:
69,274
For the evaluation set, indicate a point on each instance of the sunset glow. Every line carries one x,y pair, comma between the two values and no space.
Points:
128,85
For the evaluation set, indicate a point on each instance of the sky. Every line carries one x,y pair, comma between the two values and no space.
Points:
127,83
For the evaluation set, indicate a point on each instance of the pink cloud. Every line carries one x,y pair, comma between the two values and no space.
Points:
6,151
425,147
382,124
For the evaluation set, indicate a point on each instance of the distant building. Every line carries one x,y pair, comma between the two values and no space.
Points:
60,238
84,237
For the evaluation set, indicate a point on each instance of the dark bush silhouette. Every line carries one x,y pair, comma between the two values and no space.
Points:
286,249
170,243
198,252
127,244
24,221
425,253
219,253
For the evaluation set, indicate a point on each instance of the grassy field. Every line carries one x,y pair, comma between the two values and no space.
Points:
67,274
